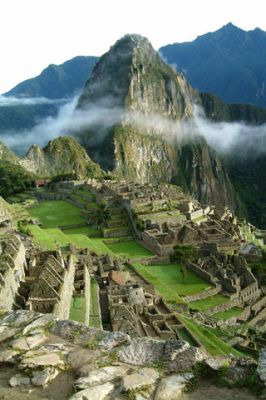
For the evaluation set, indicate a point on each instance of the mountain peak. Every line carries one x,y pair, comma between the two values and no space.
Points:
132,37
230,26
228,29
130,44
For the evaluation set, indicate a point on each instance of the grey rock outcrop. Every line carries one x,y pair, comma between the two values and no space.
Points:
108,365
98,392
101,375
19,380
171,388
140,378
262,366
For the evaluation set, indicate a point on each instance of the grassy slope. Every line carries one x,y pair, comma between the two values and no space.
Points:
205,304
41,238
77,310
129,249
233,312
84,230
214,345
94,244
54,213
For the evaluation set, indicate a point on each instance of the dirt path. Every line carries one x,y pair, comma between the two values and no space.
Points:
210,392
60,389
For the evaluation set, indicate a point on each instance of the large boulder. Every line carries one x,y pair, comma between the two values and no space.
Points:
171,387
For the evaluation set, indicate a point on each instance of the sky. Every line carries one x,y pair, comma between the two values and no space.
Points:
36,33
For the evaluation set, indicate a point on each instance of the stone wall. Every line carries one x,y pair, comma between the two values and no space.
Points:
251,292
152,244
12,275
223,307
87,295
259,305
124,230
201,273
62,308
73,226
260,316
203,295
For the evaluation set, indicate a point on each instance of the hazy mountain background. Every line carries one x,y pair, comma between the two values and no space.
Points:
57,81
230,63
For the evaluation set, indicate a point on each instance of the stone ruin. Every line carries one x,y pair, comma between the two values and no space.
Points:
230,272
138,310
36,280
12,269
52,284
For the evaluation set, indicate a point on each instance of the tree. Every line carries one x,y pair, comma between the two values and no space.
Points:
182,254
14,179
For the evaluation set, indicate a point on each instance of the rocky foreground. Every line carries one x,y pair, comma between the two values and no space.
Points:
38,352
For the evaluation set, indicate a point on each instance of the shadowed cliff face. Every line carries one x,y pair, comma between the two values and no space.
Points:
150,104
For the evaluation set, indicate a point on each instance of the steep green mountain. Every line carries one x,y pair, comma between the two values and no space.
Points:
7,155
229,62
217,110
61,156
57,81
141,101
246,168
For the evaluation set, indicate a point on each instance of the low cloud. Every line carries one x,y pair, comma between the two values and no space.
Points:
227,138
68,121
236,138
6,101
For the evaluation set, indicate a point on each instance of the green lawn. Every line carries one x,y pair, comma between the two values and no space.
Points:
77,310
168,280
48,238
57,236
214,345
232,312
83,230
95,312
54,213
41,238
130,249
94,244
205,304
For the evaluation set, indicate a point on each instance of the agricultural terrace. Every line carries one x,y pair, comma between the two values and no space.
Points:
209,302
130,249
78,309
56,213
212,343
56,217
227,314
170,282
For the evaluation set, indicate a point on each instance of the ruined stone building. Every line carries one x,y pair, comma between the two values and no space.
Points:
12,269
138,310
53,284
231,272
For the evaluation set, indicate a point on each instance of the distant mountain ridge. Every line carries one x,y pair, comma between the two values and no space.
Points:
229,62
57,81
